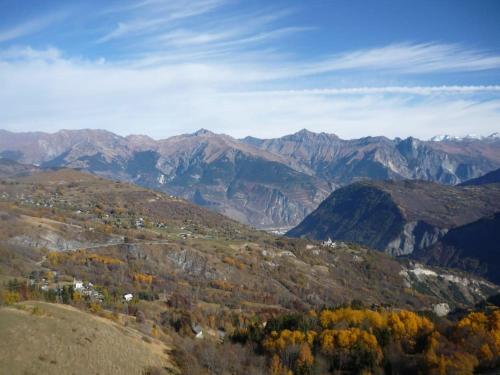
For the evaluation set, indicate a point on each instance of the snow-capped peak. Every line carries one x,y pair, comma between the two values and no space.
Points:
495,135
447,137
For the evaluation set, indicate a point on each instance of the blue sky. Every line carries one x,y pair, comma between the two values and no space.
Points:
160,67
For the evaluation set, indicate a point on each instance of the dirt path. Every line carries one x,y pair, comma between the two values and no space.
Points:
99,246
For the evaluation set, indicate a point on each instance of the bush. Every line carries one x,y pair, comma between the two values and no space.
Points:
10,298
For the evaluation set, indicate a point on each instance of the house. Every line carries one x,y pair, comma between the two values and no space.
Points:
77,284
329,243
198,331
128,297
139,223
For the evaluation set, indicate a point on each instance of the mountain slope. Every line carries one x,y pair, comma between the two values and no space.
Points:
473,247
10,168
489,178
45,338
397,217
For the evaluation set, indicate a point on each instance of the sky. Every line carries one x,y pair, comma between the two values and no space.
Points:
262,68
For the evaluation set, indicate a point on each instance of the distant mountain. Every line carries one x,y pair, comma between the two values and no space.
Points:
265,183
248,184
473,247
489,178
10,168
398,217
344,161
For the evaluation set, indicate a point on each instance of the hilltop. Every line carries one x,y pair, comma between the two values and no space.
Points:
397,217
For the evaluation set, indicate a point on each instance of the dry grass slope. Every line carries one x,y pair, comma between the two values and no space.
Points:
44,338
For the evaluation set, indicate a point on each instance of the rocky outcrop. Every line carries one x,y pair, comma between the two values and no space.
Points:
55,242
416,235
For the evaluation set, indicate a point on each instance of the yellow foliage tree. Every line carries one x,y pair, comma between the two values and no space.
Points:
305,359
277,342
142,278
277,367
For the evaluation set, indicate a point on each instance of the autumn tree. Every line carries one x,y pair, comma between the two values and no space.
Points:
305,360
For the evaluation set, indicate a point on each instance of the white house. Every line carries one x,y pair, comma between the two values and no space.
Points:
128,297
77,284
198,331
329,243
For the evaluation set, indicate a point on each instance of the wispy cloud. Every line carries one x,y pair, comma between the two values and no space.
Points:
409,58
43,90
29,27
410,90
155,15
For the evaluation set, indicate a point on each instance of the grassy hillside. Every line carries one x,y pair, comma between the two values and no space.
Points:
44,338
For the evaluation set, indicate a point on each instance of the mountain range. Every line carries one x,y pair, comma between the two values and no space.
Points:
267,183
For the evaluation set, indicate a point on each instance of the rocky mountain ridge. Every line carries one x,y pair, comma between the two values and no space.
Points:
270,183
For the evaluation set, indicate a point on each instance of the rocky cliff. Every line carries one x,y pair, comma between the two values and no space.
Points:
474,247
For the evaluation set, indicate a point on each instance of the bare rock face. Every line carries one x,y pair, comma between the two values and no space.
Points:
416,235
441,309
